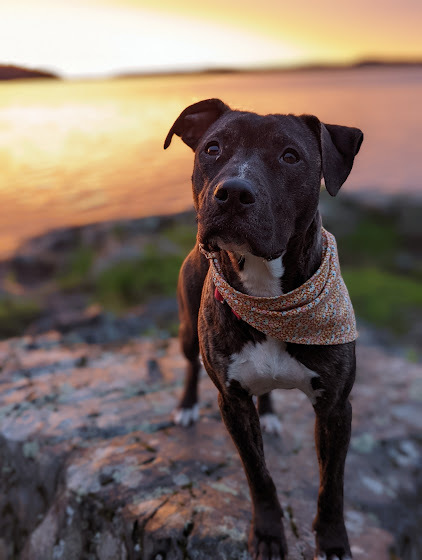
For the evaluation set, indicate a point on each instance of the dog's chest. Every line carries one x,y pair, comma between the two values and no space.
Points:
265,366
262,278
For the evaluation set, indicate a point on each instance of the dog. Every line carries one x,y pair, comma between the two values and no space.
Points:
256,184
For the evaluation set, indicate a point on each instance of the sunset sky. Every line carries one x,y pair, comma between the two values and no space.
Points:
78,38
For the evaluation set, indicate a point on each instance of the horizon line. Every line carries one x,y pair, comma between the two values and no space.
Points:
307,66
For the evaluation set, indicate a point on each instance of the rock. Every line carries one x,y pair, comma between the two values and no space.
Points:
373,201
93,467
30,269
93,325
39,258
409,218
338,214
67,320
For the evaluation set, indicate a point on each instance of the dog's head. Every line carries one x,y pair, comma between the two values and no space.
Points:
256,179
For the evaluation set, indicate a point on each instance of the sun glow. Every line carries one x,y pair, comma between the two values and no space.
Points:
80,39
101,37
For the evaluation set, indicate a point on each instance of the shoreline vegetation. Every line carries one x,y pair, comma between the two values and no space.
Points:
120,277
11,72
311,67
14,72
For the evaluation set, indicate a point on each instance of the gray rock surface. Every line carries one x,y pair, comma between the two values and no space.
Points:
92,466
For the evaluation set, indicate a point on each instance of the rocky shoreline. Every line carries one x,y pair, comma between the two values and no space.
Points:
94,468
67,274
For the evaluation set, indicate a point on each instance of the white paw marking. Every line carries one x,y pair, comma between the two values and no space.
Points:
270,424
186,416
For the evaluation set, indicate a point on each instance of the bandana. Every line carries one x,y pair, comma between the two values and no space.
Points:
318,312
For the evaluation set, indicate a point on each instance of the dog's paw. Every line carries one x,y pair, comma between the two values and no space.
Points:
270,424
331,542
186,416
268,549
333,556
272,546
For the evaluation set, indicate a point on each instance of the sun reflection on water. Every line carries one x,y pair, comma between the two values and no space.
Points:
78,152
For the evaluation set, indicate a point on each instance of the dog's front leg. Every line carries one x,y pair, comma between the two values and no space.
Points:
266,540
332,436
267,417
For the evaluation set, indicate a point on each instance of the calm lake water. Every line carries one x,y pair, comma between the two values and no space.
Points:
78,152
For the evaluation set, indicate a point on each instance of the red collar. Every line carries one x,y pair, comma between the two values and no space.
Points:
220,298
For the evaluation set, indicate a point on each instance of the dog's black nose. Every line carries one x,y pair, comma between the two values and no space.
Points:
235,192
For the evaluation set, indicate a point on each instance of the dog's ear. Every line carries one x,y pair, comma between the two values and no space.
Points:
339,146
195,120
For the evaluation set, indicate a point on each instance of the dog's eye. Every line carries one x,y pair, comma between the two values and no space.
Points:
290,156
212,148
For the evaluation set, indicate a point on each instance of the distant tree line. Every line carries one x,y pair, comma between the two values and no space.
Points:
9,72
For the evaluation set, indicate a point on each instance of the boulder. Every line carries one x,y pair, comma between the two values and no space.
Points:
92,466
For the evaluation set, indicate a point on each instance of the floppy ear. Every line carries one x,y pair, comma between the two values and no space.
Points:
194,121
339,146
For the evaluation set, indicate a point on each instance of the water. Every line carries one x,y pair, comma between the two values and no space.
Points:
75,153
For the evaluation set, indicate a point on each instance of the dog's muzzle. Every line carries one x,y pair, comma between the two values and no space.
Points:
235,195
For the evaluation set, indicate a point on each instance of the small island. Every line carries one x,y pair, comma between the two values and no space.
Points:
10,72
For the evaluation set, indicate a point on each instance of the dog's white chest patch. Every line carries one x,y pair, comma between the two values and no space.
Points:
262,278
262,367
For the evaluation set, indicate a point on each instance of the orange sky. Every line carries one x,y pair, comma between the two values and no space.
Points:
99,37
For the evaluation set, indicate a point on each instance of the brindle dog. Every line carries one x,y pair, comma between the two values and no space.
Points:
256,185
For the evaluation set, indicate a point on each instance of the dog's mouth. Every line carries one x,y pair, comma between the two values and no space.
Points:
216,244
240,235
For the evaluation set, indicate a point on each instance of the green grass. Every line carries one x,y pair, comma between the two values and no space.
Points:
16,314
383,298
130,283
183,235
78,268
373,241
379,294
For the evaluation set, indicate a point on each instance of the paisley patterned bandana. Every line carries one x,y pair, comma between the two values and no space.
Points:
318,312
